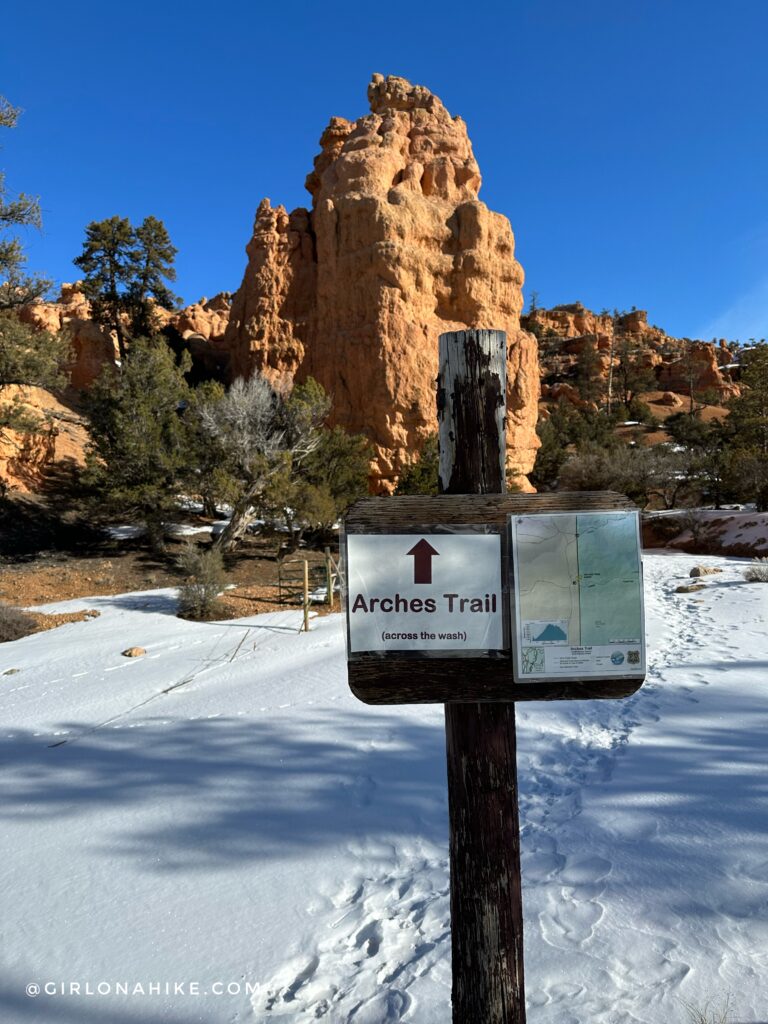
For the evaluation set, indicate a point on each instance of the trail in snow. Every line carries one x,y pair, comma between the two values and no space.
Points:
266,827
619,868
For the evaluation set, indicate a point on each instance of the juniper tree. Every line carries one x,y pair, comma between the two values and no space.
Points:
206,474
28,357
261,435
749,412
339,467
138,447
748,421
422,476
313,493
707,446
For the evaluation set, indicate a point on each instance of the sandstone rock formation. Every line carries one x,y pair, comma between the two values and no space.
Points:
202,325
565,331
26,458
92,347
396,249
698,368
576,323
206,319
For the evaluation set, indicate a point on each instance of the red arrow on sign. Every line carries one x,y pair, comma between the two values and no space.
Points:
422,561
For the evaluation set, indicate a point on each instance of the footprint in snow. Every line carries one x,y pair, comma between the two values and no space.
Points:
394,929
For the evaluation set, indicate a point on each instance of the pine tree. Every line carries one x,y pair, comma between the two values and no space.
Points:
125,269
589,369
17,288
631,374
154,256
108,261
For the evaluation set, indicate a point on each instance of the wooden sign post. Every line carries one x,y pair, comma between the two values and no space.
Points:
486,891
430,587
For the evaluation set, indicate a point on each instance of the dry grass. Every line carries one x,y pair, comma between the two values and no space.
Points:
14,623
757,571
713,1011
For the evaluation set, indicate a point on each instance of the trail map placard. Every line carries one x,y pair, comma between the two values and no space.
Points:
578,595
424,592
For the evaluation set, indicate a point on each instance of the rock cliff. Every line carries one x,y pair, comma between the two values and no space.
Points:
678,363
201,325
92,347
396,249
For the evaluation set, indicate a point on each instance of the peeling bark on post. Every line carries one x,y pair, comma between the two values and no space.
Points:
471,408
486,897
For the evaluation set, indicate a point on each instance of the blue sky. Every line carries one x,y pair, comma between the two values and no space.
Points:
626,140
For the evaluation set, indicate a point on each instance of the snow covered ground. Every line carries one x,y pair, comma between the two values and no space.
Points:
721,529
221,816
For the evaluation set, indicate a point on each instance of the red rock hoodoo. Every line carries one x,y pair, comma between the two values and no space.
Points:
396,249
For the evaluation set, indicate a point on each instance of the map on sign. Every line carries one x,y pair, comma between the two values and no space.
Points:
578,589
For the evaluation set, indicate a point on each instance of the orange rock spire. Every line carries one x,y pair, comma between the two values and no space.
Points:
396,249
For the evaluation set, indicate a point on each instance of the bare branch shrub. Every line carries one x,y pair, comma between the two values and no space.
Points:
260,433
757,571
14,623
693,521
206,576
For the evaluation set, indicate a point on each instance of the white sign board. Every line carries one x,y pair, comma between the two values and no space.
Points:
578,595
424,592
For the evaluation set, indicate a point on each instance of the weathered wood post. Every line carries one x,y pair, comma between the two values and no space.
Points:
328,578
486,896
305,595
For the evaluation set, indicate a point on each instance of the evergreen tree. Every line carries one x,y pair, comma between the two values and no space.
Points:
589,368
205,473
154,256
28,357
422,476
138,442
108,261
340,466
749,412
631,374
17,288
568,430
748,421
708,447
125,269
